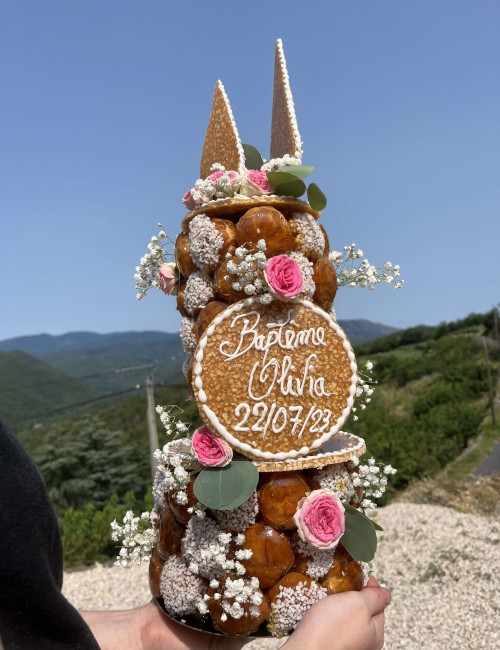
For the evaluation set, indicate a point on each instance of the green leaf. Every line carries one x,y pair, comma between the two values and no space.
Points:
300,171
281,178
356,511
316,198
286,184
226,488
253,159
359,538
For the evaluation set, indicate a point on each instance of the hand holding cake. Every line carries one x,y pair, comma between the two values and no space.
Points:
322,628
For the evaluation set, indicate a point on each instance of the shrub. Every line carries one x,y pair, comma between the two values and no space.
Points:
86,534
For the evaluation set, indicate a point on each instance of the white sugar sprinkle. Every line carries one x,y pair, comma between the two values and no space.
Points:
239,519
198,292
306,270
320,560
181,589
205,242
291,604
310,236
189,339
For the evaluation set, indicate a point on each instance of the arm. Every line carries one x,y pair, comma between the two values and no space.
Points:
323,627
147,628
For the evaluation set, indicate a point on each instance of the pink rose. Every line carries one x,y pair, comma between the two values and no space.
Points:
167,278
255,183
320,519
259,181
209,450
283,277
233,176
188,200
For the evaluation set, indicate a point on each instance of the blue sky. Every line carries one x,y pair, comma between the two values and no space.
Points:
103,114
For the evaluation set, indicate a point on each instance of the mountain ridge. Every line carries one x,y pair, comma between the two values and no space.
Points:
30,387
109,364
38,344
359,330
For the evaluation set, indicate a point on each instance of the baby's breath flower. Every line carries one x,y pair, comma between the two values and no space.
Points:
266,299
138,537
370,478
278,163
248,269
352,273
146,274
364,389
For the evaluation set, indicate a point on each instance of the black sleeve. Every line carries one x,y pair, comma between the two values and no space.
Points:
33,612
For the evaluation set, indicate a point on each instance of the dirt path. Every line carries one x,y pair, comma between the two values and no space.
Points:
491,464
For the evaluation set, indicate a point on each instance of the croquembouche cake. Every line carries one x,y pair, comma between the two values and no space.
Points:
261,511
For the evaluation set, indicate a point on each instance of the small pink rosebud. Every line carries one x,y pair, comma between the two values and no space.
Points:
283,277
209,450
188,200
167,278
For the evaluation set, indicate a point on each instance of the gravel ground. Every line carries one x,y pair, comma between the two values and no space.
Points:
442,567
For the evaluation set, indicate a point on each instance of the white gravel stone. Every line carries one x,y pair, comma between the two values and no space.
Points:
108,587
442,567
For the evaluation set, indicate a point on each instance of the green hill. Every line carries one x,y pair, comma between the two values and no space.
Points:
30,389
118,367
432,395
360,330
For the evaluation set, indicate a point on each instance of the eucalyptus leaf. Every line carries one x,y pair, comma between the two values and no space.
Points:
356,511
253,159
226,488
300,171
280,178
316,198
296,189
286,184
359,538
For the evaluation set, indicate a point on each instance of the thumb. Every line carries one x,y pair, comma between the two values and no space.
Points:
376,599
372,582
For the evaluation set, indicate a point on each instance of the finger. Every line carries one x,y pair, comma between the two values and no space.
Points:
378,625
372,582
376,599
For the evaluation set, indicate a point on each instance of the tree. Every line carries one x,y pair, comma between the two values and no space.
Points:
86,465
